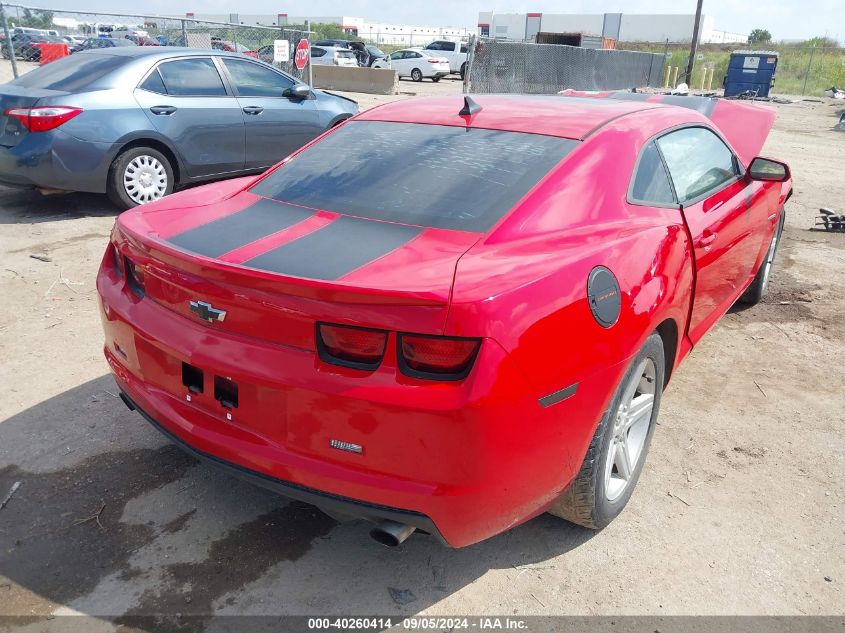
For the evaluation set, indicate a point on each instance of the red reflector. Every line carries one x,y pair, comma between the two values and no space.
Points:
355,346
43,118
449,357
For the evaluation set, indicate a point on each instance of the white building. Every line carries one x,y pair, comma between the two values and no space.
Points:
355,27
622,27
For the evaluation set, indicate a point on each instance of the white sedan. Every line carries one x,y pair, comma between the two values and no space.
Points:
415,64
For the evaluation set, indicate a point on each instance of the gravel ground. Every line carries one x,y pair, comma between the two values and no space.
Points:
738,510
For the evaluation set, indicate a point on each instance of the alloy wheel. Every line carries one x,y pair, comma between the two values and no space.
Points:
630,429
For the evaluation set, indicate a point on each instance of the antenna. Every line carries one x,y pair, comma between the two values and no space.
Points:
470,107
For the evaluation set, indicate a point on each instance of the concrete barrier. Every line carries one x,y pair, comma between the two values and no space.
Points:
377,81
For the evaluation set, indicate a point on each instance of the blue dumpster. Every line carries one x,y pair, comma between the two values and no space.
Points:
751,70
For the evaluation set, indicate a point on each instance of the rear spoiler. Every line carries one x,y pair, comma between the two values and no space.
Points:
745,125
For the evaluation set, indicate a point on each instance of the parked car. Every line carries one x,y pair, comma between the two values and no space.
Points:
95,43
331,56
26,45
136,121
416,64
74,42
375,54
360,49
126,31
453,347
455,52
143,40
232,47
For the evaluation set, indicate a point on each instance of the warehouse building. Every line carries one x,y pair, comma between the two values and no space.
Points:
622,27
355,27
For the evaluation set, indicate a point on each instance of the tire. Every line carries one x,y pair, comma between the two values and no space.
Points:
435,79
463,70
757,290
149,162
416,74
595,497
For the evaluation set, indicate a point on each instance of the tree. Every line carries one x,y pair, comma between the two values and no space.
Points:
759,36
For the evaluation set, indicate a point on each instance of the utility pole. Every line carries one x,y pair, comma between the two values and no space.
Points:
694,46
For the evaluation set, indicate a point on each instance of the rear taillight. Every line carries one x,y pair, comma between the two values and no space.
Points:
437,357
115,260
43,118
134,276
433,61
348,346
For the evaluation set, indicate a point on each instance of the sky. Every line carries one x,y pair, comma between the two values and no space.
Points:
785,19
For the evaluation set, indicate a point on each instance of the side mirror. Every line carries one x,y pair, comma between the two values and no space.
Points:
299,91
767,169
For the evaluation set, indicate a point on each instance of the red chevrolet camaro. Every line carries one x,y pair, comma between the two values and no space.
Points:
447,315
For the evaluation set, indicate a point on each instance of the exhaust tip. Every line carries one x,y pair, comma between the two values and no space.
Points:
391,533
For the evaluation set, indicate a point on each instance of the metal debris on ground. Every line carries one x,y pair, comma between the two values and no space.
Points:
835,93
829,220
41,257
8,498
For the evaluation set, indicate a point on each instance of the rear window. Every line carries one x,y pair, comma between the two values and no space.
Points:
427,175
345,54
71,73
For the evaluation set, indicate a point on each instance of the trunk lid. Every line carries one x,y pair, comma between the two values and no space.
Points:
276,269
12,130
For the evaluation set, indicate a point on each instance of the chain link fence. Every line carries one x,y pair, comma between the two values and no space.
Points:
34,36
523,67
803,68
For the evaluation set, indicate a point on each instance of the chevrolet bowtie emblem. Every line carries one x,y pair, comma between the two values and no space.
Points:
207,312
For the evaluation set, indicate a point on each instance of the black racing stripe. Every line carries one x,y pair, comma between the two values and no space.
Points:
335,250
258,220
705,105
559,396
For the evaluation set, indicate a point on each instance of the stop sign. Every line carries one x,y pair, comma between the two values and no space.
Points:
303,53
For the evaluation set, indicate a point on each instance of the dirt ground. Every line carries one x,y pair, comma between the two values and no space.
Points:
738,510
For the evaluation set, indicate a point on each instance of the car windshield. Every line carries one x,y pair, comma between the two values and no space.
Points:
71,73
376,52
428,175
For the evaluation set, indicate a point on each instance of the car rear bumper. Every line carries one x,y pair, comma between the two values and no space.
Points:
333,505
473,458
56,160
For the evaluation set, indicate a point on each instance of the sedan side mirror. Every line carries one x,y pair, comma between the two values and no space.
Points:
299,91
767,169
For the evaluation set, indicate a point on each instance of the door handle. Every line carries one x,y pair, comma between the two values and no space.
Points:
706,240
253,110
165,110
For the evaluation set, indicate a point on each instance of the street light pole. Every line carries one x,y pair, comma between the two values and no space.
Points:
694,46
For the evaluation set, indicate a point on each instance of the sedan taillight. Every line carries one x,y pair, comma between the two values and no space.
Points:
437,357
43,118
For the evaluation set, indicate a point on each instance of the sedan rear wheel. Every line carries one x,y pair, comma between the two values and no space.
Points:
139,175
615,457
416,74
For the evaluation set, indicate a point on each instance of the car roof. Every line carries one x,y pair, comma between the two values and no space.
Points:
161,52
552,115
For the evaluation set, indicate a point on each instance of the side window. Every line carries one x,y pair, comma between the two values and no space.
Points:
698,161
434,46
413,54
317,52
651,182
397,55
463,48
154,83
254,80
195,77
